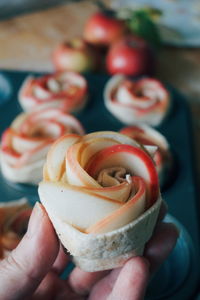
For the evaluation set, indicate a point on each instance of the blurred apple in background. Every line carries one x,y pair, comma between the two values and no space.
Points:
76,55
103,28
130,55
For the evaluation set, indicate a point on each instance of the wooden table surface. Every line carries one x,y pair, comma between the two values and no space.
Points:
27,42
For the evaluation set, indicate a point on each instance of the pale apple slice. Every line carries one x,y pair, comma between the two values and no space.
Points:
26,96
10,156
92,146
128,212
72,201
134,160
125,96
120,138
28,173
75,174
119,192
145,133
34,155
6,139
23,143
18,121
56,156
40,92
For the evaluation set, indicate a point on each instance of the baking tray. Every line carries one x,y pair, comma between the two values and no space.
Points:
180,193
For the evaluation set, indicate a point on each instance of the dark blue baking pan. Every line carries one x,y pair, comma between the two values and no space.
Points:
178,278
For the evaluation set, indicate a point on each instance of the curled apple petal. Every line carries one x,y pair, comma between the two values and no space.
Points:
142,101
63,90
100,187
148,136
26,143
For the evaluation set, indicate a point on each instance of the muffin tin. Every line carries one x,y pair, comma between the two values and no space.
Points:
180,272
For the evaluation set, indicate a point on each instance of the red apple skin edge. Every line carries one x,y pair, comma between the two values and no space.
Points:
131,55
104,154
102,29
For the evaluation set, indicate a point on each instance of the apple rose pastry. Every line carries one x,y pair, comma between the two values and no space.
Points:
102,195
64,90
142,101
14,217
26,142
146,135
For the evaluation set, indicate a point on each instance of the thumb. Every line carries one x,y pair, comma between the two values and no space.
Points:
23,270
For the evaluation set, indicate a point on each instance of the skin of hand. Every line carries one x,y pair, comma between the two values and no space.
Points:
32,270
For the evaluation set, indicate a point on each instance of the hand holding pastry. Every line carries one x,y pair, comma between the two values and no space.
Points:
26,142
39,254
102,195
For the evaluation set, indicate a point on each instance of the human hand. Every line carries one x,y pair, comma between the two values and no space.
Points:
32,270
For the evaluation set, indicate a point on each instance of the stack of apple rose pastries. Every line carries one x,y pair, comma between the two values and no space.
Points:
102,195
48,102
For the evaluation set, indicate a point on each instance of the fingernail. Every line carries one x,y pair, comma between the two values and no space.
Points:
35,219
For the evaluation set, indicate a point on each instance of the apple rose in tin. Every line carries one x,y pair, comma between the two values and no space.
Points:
64,90
25,143
146,135
144,100
14,216
102,195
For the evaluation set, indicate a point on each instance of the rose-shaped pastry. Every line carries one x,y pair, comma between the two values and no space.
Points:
146,135
14,216
64,90
143,101
26,142
102,195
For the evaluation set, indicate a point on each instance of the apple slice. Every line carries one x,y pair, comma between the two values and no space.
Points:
34,155
134,160
75,174
128,212
120,138
92,146
22,143
126,94
56,156
75,206
6,139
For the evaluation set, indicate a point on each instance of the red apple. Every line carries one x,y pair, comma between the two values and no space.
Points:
102,29
76,55
131,55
